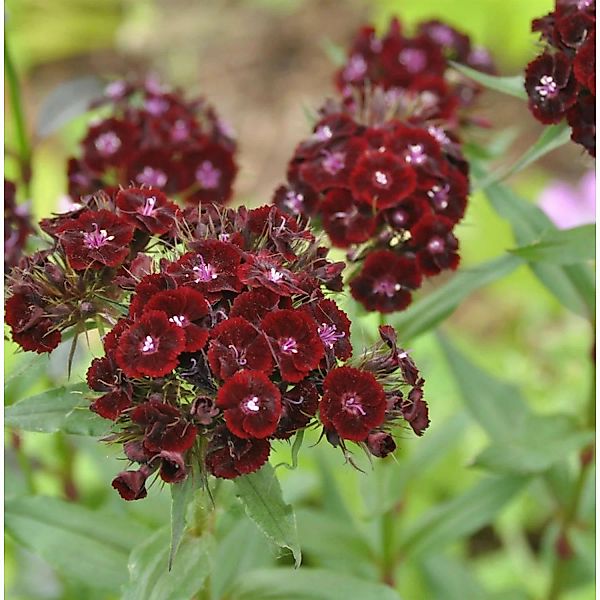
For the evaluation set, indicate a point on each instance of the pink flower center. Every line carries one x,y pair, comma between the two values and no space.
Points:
288,345
441,34
356,68
439,134
399,217
381,179
152,177
352,404
436,245
415,154
156,106
439,196
413,59
107,143
149,345
387,287
180,131
547,87
294,201
208,176
329,334
179,320
148,208
333,162
274,275
97,238
251,405
204,271
323,133
115,89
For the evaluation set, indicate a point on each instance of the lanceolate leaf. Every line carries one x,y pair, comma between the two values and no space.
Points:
86,545
63,409
307,584
562,247
511,86
432,309
261,496
181,495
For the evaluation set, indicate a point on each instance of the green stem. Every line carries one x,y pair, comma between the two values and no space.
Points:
24,463
388,540
14,90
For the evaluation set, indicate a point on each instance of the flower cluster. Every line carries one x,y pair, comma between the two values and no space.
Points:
153,136
231,343
390,191
415,69
561,82
95,255
17,226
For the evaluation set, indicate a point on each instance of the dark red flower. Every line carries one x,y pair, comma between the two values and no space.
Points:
385,282
131,485
17,226
104,376
448,197
414,409
172,467
264,270
96,239
147,209
236,344
229,456
157,168
381,179
353,403
254,304
251,404
408,212
150,346
416,146
333,327
380,444
298,406
164,427
186,308
111,405
584,65
147,288
551,87
111,340
435,245
110,143
582,119
296,199
295,341
346,221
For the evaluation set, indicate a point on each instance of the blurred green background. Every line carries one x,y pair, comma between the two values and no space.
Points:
260,62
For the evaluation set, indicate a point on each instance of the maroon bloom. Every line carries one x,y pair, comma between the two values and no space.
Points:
435,245
353,403
265,270
147,288
186,308
385,282
254,304
251,403
346,221
96,239
172,467
131,485
150,346
110,143
381,179
414,409
229,456
298,406
380,444
235,345
295,342
147,209
333,327
104,376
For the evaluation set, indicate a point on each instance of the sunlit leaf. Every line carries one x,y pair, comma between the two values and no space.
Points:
511,86
261,496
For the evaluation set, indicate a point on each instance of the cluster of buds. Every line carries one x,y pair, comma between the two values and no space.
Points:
17,226
95,254
414,70
388,190
231,343
153,136
561,82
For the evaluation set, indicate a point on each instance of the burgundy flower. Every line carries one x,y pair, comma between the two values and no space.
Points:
156,168
296,199
414,409
584,65
104,376
353,403
236,344
131,485
380,444
381,179
251,403
582,119
435,244
110,143
147,288
17,226
147,209
229,456
96,239
345,221
448,197
385,282
164,427
408,212
295,342
172,467
150,346
550,86
333,327
265,270
111,405
298,406
111,340
416,146
186,308
254,304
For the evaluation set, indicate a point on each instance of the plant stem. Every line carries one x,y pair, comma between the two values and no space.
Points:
14,90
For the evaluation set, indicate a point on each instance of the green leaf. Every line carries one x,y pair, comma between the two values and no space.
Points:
430,310
551,138
335,53
461,516
572,285
63,409
261,496
298,439
150,578
181,495
449,579
307,584
89,546
562,246
511,86
541,442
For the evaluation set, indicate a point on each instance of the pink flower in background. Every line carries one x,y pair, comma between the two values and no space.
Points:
569,206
